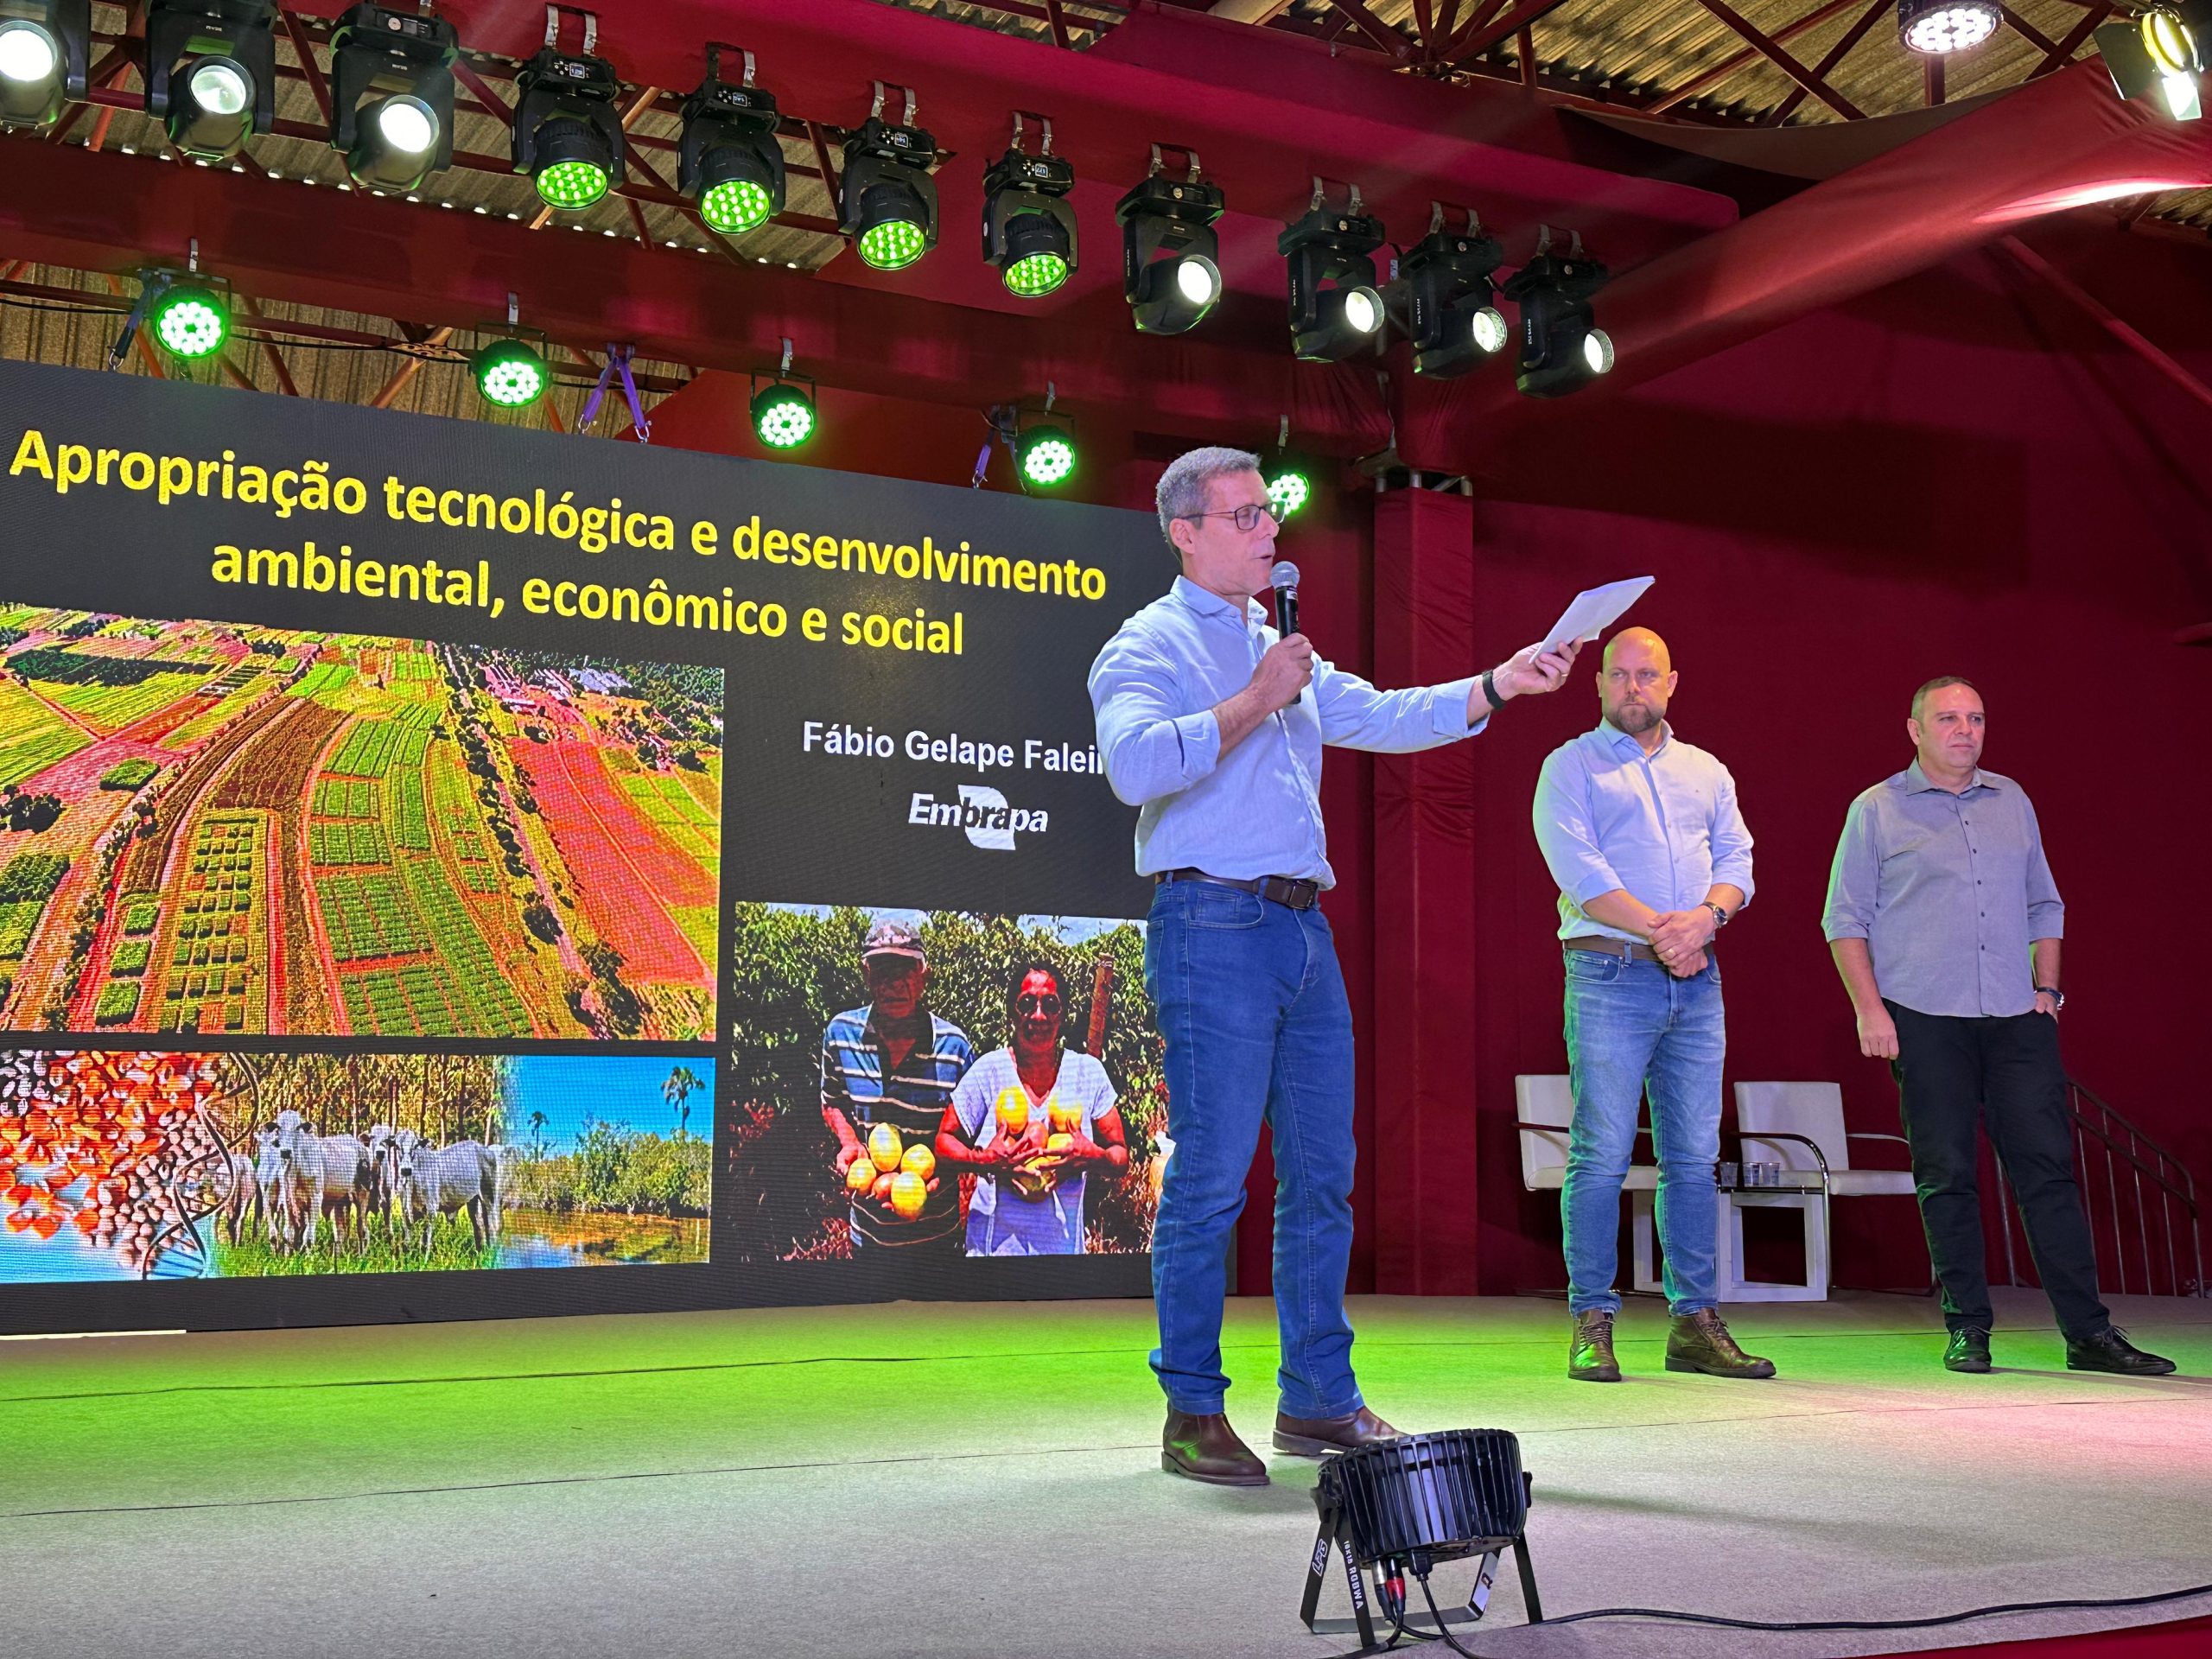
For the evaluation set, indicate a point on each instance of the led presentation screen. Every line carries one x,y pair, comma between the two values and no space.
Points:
447,869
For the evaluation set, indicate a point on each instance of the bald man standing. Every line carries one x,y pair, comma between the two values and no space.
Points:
1643,834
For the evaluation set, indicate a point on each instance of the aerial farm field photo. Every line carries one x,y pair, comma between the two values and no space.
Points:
219,828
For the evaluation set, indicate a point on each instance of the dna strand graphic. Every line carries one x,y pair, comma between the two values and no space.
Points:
203,1175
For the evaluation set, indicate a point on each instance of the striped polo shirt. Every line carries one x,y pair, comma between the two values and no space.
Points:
911,1099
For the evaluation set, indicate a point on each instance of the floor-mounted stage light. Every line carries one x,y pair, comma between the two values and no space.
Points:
1937,28
1562,346
1170,270
886,201
1397,1508
43,47
730,161
1028,226
1335,307
211,73
1452,304
783,412
567,132
392,95
2159,55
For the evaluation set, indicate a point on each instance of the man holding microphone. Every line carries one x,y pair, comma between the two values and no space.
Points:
1214,726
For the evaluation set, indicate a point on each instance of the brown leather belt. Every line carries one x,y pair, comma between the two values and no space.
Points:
1297,894
1605,947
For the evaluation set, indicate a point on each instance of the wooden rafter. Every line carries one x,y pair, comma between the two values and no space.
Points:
1387,39
1487,30
1749,55
1769,48
1874,14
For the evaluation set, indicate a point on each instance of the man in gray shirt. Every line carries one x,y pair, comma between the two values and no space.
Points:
1945,925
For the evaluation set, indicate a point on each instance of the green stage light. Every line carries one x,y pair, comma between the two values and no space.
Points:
190,320
783,415
1036,276
1289,489
886,201
571,186
509,374
568,136
893,245
735,206
1047,455
729,160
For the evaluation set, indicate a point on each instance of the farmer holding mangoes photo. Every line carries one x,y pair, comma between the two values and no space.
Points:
1027,1121
887,1076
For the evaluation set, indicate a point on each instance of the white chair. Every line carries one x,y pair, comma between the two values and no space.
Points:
1799,1126
1545,1107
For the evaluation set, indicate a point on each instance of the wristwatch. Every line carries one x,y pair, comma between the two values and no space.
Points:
1490,689
1720,916
2058,996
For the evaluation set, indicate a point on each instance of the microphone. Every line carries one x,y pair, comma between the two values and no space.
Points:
1284,580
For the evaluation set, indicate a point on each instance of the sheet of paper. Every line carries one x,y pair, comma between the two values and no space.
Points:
1592,613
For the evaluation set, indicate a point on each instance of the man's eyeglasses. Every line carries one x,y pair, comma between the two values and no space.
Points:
1247,516
1032,1002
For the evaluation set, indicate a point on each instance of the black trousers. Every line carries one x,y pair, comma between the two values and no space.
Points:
1954,1074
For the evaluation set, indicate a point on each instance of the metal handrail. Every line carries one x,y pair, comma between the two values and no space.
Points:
2123,1145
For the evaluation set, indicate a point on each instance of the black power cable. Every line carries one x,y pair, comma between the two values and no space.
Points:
1400,1632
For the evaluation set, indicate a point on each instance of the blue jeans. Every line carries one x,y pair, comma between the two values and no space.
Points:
1631,1027
1252,1005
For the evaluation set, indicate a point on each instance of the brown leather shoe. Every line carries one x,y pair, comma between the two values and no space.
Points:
1700,1342
1207,1448
1323,1437
1590,1351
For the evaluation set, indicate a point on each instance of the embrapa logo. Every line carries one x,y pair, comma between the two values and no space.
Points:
982,811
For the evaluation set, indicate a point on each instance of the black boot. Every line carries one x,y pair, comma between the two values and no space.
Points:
1590,1350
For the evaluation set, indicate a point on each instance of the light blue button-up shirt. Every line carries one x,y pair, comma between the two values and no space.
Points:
1663,826
1256,810
1950,893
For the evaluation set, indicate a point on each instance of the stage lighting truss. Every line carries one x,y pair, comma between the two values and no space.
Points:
1452,305
1401,1506
568,129
2160,55
211,73
1562,346
730,162
1335,306
392,95
886,201
44,46
1029,234
1939,28
1170,269
782,410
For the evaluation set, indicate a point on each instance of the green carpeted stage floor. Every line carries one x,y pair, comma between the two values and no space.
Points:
984,1480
